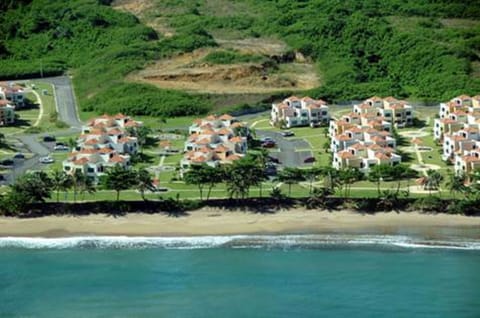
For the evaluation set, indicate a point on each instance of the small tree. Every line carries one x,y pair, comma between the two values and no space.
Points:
143,182
456,184
60,182
291,176
118,179
241,176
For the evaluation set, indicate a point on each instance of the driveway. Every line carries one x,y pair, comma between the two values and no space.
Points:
286,149
67,112
65,99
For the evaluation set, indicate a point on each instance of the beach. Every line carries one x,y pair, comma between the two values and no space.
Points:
212,221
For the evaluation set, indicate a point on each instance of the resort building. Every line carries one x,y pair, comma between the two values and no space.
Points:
389,109
458,129
105,142
7,113
294,112
362,139
214,141
13,93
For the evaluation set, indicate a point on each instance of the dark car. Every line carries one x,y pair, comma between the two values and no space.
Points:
7,163
271,170
19,156
273,159
268,144
49,139
309,160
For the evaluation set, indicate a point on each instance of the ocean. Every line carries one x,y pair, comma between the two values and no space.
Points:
239,276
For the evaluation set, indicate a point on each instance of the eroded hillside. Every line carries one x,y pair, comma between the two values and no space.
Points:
278,70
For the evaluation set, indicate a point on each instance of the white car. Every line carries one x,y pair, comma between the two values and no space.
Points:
46,159
61,148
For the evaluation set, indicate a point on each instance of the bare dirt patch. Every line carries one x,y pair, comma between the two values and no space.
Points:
188,72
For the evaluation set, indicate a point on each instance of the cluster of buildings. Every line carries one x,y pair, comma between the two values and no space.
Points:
294,112
11,96
457,129
363,137
214,140
105,142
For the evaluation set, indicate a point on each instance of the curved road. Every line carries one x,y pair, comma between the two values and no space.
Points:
67,112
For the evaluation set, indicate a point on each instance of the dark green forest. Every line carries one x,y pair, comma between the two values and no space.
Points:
424,50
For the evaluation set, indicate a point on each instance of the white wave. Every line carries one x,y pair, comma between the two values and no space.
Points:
235,241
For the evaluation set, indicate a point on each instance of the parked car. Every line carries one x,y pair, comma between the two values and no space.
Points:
19,156
268,144
314,124
49,138
309,160
271,170
7,163
273,159
61,148
266,139
287,133
46,159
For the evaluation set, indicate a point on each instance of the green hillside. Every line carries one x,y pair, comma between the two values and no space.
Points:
428,50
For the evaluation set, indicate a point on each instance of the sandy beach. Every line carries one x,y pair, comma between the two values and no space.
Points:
217,222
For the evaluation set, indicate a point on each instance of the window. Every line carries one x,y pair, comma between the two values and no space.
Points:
90,170
324,113
67,168
387,115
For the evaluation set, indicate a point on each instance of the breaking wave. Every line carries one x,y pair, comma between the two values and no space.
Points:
237,241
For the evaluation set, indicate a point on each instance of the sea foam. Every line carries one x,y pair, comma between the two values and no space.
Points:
237,241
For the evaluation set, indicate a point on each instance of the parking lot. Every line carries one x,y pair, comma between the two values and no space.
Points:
286,149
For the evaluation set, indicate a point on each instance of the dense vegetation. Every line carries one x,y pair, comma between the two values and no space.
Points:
410,48
416,49
101,46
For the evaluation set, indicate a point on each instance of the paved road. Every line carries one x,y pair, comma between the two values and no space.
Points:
66,103
286,149
67,111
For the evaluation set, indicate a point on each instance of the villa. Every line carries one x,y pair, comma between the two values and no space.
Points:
214,141
13,93
362,138
294,112
390,109
105,142
7,113
458,129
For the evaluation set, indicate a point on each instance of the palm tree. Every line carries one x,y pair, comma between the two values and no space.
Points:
291,176
60,182
261,158
87,186
456,184
432,180
311,175
77,180
326,146
331,179
144,182
347,177
118,178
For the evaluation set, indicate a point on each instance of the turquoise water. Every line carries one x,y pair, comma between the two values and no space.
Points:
286,280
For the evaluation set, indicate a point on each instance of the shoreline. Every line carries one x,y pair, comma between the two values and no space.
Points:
217,222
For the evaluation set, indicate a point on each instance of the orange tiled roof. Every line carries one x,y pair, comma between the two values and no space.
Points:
345,155
117,159
463,97
226,117
80,161
236,139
